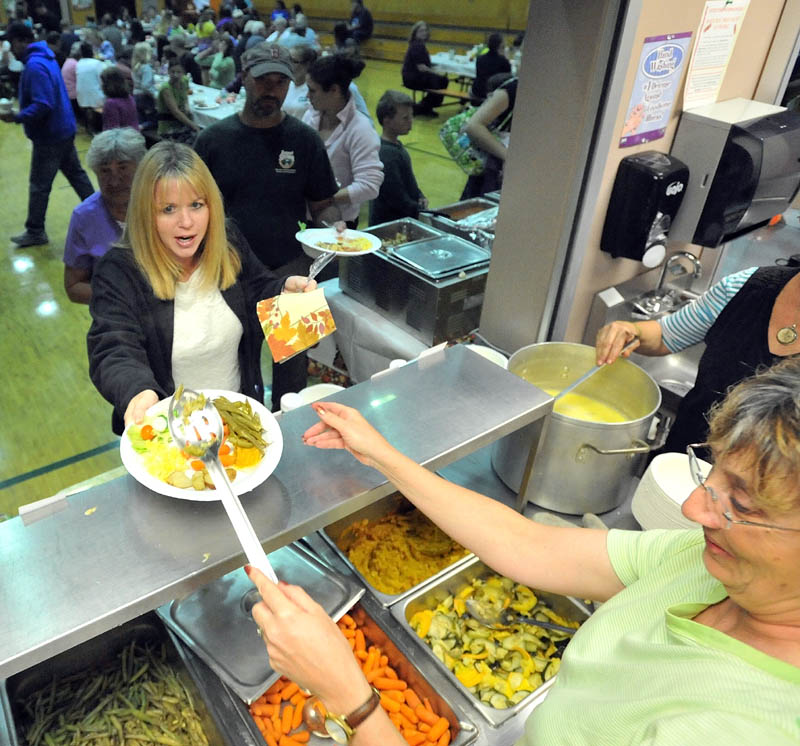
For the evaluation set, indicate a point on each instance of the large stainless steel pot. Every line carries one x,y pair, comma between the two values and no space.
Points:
579,466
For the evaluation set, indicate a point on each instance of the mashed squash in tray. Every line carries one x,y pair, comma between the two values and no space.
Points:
399,550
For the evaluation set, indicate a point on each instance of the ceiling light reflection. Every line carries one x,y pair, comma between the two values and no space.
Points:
47,308
22,264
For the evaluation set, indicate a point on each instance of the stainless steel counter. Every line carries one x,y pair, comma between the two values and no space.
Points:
79,572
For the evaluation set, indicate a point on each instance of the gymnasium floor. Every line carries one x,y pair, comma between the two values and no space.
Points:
55,429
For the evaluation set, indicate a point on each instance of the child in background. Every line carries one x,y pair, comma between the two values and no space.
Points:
399,196
119,107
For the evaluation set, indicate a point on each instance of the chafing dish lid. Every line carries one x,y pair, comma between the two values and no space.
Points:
215,621
442,256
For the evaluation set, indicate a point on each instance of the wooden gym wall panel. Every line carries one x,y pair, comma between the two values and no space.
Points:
498,14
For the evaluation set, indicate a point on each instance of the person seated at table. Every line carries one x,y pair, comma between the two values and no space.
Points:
68,38
123,63
698,641
88,88
175,120
350,140
119,108
279,32
69,73
175,302
53,40
493,116
137,33
488,64
418,75
258,34
223,69
399,196
97,222
178,44
300,34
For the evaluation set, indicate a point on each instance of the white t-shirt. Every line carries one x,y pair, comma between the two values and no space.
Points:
296,102
278,37
205,342
88,86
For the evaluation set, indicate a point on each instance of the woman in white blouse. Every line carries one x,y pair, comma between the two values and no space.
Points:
350,140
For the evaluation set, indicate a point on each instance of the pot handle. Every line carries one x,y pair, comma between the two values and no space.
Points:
637,446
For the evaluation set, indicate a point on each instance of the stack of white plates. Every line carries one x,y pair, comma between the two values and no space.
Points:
662,490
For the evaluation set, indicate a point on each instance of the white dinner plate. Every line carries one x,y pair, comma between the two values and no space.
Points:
312,237
246,480
205,107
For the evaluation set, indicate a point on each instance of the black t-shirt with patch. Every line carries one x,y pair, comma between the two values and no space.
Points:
266,176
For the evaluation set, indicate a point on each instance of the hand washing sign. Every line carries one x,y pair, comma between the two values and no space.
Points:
655,87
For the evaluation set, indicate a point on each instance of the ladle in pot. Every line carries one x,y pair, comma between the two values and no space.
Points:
506,617
589,373
196,426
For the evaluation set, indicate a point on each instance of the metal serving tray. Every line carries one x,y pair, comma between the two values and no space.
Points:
484,220
463,209
216,624
98,651
376,510
433,593
413,229
442,256
462,730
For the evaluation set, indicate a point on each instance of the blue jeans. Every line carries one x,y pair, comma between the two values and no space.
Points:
46,160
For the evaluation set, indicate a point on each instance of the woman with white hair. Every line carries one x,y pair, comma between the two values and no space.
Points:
97,222
280,31
300,34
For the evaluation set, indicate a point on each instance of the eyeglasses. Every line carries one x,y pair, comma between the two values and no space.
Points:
721,502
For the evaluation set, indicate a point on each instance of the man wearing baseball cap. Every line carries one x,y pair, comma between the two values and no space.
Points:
271,169
46,114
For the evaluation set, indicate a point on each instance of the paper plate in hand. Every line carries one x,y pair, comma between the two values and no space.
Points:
350,243
246,479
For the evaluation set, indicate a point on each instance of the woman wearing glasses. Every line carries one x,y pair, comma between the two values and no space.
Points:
747,320
699,639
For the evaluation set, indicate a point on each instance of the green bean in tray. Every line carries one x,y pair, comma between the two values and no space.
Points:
244,425
135,700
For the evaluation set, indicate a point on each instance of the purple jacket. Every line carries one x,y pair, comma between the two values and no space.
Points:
120,112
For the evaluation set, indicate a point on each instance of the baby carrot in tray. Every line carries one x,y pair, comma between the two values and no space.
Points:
278,713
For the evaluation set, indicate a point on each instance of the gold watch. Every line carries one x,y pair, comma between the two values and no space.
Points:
341,728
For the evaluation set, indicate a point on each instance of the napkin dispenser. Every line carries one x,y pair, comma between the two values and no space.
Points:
744,158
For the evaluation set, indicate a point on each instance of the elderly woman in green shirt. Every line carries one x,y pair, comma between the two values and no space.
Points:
223,68
699,638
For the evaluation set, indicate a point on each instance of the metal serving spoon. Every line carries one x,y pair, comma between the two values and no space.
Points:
589,373
196,426
507,617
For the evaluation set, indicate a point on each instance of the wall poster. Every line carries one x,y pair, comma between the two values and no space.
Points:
719,27
654,89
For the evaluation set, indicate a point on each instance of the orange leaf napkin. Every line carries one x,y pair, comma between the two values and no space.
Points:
293,322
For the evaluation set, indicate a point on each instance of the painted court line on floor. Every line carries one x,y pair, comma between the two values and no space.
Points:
47,468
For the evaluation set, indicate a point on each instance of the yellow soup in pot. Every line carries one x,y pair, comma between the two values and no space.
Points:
581,407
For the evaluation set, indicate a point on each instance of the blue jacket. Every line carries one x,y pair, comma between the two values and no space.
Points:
44,107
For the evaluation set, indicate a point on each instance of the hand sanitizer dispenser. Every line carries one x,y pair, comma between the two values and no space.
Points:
646,195
744,158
